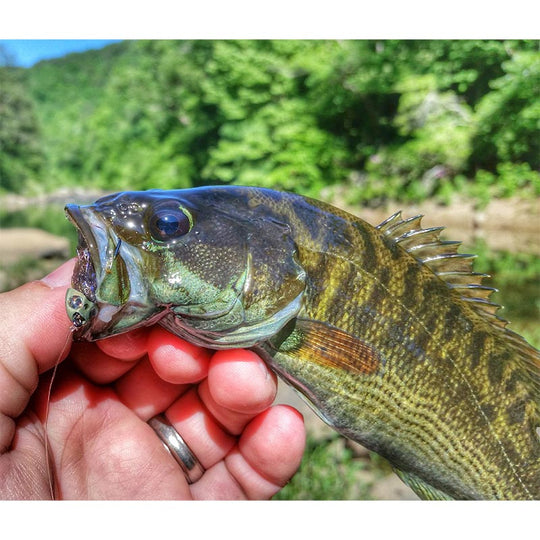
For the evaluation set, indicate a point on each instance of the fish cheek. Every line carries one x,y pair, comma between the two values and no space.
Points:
197,278
115,287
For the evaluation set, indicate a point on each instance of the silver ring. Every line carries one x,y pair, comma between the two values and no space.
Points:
177,447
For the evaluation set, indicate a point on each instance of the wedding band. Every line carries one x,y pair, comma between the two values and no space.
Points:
177,447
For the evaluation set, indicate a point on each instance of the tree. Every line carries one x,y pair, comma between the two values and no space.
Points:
21,158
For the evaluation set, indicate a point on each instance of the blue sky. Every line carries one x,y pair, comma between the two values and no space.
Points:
26,52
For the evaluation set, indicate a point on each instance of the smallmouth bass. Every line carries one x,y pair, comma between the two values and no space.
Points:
385,330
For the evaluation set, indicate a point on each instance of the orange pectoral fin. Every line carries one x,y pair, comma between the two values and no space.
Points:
327,345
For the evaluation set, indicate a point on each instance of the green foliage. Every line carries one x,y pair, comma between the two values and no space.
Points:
350,85
464,67
436,130
508,117
21,158
510,179
66,93
279,146
391,119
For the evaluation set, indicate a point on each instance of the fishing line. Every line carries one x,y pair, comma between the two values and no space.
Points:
50,474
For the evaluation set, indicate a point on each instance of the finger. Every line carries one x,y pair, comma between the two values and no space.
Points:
207,425
106,360
34,318
35,330
174,359
239,380
231,421
267,455
128,346
217,484
269,452
147,394
204,436
238,387
98,366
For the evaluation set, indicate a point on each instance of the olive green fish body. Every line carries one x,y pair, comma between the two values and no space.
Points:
385,330
441,391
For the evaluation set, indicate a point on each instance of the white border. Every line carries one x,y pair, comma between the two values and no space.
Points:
291,19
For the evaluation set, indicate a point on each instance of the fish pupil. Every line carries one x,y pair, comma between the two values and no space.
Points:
168,224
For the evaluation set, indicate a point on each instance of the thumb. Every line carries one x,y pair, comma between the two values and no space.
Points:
33,333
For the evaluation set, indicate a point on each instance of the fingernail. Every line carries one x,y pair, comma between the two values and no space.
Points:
61,277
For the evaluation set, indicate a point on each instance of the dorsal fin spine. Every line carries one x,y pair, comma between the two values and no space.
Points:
436,246
416,232
442,257
463,278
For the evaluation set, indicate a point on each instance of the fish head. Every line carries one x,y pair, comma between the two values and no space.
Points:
205,263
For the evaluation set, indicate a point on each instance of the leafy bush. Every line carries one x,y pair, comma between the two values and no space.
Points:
280,146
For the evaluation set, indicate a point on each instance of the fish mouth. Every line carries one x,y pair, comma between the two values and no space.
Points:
97,248
108,293
84,277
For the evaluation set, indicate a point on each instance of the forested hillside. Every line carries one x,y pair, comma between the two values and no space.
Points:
387,119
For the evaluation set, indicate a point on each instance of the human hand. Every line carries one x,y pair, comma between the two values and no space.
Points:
100,445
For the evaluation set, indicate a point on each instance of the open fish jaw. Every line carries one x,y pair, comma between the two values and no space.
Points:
84,275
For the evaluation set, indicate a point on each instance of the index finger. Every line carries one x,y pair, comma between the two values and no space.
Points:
35,334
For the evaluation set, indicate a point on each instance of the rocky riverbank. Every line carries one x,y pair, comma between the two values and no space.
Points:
504,224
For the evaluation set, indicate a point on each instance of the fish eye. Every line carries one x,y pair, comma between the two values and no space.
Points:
170,223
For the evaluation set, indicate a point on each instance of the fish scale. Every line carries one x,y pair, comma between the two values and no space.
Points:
385,330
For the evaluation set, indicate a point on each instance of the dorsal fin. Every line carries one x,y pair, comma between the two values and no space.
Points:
456,270
442,257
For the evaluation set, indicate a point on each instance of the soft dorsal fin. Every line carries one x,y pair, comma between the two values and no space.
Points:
443,259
